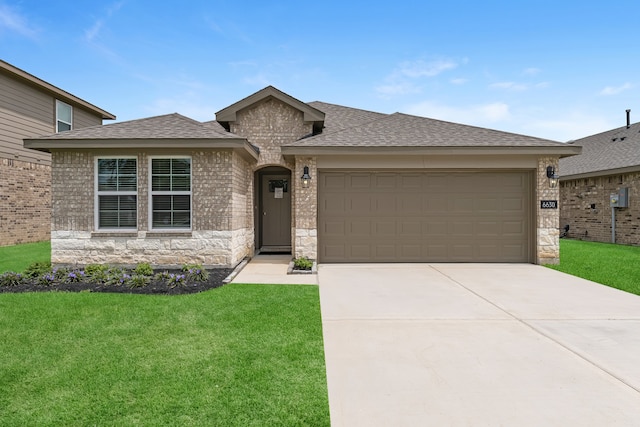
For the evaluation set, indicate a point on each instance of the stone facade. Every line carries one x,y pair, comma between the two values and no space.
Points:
305,222
220,234
585,207
547,231
25,202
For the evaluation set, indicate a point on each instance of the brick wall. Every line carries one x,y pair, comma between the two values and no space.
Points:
594,223
219,180
305,223
25,202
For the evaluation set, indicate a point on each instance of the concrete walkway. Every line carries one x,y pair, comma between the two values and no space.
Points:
272,269
477,345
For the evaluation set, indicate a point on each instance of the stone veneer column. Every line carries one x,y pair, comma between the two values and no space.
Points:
548,220
306,210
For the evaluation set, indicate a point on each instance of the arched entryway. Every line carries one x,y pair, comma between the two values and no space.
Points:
273,210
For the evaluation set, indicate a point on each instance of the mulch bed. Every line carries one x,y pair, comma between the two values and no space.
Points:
216,276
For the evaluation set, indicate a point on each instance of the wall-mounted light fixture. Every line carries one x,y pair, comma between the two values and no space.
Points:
305,177
553,178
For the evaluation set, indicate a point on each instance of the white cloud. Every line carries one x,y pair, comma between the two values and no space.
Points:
405,78
509,86
14,21
417,69
458,81
614,90
532,71
478,115
93,32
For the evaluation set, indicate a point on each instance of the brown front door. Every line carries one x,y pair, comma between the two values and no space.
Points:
275,217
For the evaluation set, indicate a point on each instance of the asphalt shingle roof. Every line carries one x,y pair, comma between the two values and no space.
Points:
615,149
338,117
403,130
169,126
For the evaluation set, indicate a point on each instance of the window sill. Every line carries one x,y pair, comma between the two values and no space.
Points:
172,233
127,233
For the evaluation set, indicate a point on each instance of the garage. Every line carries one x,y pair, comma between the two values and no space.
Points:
425,216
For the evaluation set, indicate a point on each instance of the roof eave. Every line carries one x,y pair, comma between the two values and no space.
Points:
561,151
593,174
240,145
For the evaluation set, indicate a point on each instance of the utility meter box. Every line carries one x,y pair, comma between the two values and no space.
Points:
620,199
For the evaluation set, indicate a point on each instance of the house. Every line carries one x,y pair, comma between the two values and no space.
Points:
328,182
609,164
30,107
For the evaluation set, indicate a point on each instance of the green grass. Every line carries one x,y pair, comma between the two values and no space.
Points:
18,257
609,264
239,355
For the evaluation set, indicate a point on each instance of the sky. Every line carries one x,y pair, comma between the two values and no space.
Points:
560,70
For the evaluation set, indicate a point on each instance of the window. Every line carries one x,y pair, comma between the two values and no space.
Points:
64,116
170,193
117,193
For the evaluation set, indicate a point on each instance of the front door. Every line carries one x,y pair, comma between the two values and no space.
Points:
275,203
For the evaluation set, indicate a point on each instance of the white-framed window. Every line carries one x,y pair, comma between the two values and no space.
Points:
170,190
64,116
116,206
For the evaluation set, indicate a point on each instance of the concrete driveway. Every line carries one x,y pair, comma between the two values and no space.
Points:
477,345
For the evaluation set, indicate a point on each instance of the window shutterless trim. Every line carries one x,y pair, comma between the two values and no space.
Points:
59,120
153,193
97,193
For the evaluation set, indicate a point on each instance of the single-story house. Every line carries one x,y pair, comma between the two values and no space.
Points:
609,165
332,183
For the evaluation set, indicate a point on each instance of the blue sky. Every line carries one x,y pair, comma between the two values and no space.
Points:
554,69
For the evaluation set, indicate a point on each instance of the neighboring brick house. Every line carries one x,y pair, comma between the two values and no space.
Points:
609,162
272,173
30,107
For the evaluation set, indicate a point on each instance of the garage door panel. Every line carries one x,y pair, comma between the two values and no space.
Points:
333,228
360,181
446,216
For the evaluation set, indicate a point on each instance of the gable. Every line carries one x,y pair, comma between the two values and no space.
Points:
309,114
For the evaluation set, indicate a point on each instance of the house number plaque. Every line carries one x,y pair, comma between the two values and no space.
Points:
548,204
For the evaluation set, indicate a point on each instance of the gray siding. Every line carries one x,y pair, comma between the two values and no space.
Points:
26,112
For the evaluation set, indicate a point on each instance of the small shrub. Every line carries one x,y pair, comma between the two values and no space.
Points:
138,281
75,276
97,273
60,273
302,263
177,280
11,278
116,276
195,272
37,269
47,279
161,277
143,269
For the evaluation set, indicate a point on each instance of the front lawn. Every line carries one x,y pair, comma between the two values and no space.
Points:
606,263
239,355
18,257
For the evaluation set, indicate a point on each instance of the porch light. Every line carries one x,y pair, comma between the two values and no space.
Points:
553,178
305,177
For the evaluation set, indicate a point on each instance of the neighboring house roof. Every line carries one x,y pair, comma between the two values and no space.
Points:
153,132
607,153
53,90
412,133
